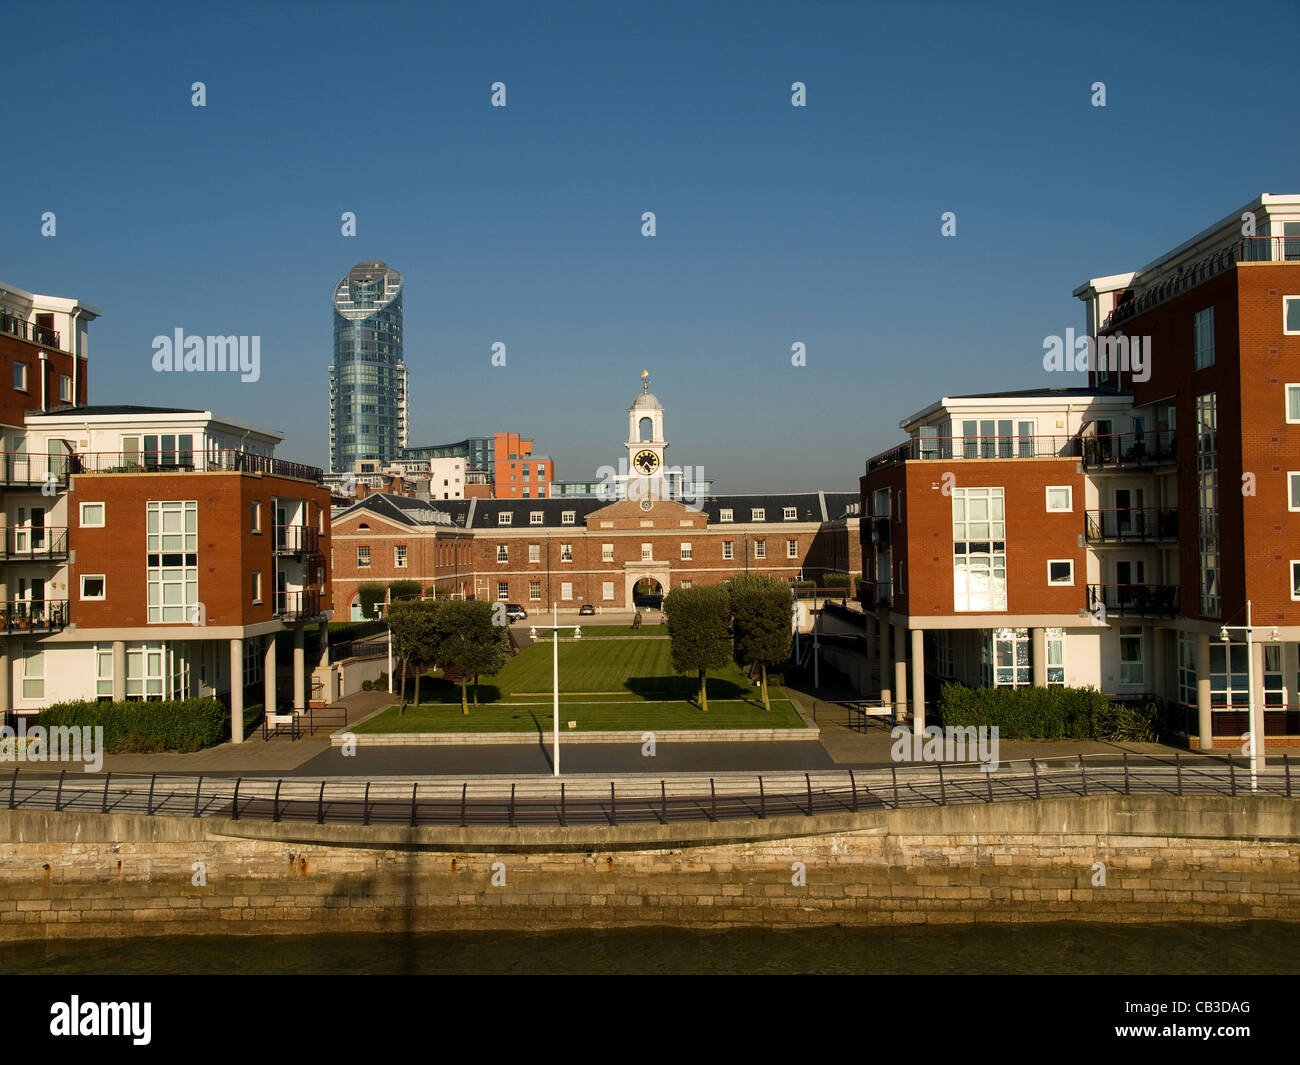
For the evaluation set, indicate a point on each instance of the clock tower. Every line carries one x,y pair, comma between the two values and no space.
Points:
646,445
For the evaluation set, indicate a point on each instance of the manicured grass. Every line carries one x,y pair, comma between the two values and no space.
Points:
591,717
605,685
589,631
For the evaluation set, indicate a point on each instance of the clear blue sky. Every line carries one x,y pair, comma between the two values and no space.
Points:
522,225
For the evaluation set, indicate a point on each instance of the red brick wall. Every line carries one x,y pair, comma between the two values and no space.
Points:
13,404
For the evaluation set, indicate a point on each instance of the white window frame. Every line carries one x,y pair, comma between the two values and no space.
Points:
534,552
1286,403
534,591
65,394
725,515
728,550
792,549
256,517
607,552
566,552
103,516
790,514
20,378
647,552
1295,595
1199,360
1058,562
399,556
505,517
1068,489
1131,632
757,513
257,586
686,551
1290,490
760,549
503,591
503,552
1285,330
568,517
103,594
607,591
363,561
566,591
535,517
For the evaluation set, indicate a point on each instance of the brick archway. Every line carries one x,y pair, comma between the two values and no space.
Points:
656,575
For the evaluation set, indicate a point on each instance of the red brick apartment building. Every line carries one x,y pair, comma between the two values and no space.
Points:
147,552
1107,535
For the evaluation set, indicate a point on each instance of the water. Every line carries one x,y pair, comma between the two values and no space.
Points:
1260,947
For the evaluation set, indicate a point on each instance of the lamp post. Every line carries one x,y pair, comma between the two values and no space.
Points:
387,605
1257,760
555,681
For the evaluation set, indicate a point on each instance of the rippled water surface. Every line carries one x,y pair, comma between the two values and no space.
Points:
1263,947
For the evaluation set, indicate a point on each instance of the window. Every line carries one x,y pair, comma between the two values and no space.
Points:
1295,580
1130,655
757,514
1203,338
607,590
1060,499
363,557
1228,676
688,584
20,376
725,514
256,585
566,590
566,552
686,551
1293,491
898,518
567,517
902,573
760,549
534,591
104,670
255,516
33,671
1055,657
92,587
1274,686
1060,571
1291,315
92,515
1207,501
607,552
790,514
728,547
504,517
65,388
534,517
503,553
399,556
1005,658
534,552
172,561
541,471
1293,403
647,552
979,549
503,591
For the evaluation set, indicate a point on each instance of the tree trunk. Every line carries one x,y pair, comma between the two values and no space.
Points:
402,663
704,695
464,706
762,669
476,691
417,689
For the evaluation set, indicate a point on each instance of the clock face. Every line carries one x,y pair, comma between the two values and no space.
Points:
646,462
647,504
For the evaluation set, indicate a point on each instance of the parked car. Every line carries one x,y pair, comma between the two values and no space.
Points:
587,608
515,612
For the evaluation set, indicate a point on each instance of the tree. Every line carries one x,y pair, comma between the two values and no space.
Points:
699,625
370,595
468,641
761,608
403,590
414,630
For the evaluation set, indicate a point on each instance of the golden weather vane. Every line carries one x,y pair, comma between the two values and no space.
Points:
645,381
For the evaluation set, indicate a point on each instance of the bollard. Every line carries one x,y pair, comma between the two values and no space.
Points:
1286,767
562,822
988,783
1232,777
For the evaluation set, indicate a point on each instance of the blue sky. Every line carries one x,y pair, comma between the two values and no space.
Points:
775,224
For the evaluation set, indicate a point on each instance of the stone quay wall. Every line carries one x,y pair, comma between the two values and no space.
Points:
1107,858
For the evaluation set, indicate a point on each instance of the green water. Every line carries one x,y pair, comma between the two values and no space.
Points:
1262,947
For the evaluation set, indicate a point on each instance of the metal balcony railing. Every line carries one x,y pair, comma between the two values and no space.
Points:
21,468
36,616
880,533
1135,600
26,330
978,447
34,543
1245,250
1133,525
186,461
1129,451
296,540
294,605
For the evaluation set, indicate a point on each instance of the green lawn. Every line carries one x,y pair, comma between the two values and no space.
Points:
594,632
614,684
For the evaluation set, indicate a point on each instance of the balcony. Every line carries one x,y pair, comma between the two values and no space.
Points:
296,540
880,533
20,469
1132,525
34,617
951,448
1135,600
24,330
295,606
1247,250
190,461
27,543
1130,451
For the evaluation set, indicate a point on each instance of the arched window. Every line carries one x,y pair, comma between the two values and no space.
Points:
646,429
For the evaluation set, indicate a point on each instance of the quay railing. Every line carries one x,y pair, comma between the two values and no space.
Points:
641,800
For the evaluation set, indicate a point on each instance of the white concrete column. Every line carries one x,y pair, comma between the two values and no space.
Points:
900,673
269,703
918,680
1257,653
6,678
1203,715
299,670
1038,655
237,690
886,678
1159,680
119,670
323,651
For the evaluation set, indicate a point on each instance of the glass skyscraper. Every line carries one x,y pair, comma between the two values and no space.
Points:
369,409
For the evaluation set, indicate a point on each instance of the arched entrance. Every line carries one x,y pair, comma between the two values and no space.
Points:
647,591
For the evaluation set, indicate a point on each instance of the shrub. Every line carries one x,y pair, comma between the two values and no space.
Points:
366,685
1027,713
403,590
172,725
835,580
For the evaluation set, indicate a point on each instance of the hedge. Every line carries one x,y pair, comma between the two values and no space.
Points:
149,725
1046,713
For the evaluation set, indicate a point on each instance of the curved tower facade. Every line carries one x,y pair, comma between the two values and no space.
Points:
369,410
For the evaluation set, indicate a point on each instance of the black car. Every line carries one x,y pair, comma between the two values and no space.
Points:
586,608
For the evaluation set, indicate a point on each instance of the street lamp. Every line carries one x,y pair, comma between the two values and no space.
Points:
555,681
1257,760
